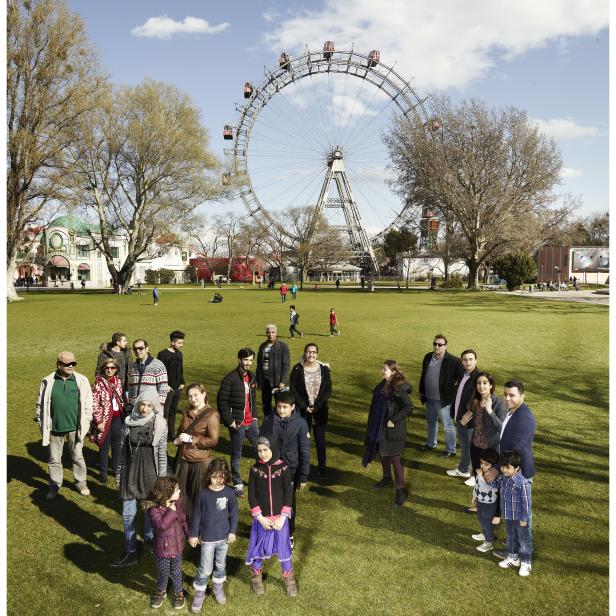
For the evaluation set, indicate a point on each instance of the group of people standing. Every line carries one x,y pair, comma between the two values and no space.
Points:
131,411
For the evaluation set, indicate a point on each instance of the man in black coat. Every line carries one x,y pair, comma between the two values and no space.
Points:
459,408
237,405
437,385
174,363
273,363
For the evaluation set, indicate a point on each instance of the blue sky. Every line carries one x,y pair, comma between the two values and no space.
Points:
550,60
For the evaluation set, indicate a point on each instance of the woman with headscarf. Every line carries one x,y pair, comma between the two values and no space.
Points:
387,422
197,434
143,458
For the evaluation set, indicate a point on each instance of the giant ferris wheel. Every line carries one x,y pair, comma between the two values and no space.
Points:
310,134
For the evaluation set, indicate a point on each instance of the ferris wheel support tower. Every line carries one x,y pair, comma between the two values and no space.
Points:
360,243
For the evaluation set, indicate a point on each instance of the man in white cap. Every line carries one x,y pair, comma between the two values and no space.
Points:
64,412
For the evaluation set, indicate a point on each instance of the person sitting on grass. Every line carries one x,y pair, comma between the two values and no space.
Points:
516,510
168,520
270,496
485,496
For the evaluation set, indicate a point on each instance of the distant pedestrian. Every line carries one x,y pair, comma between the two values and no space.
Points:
293,321
333,321
283,292
362,281
293,291
338,281
155,295
83,283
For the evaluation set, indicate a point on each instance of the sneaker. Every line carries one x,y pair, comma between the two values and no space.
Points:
509,562
127,559
198,600
479,537
454,472
383,483
178,601
525,569
500,554
84,491
426,448
486,546
53,492
471,481
157,599
447,454
338,333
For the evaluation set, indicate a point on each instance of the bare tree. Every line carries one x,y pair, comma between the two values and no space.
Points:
140,163
488,169
53,78
228,229
252,243
203,237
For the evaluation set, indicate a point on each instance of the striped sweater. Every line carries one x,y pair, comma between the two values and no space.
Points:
151,373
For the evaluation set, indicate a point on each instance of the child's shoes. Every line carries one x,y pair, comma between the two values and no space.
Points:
219,593
256,582
157,599
525,569
289,582
198,600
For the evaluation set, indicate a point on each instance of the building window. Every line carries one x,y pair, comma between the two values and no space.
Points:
83,250
85,275
115,252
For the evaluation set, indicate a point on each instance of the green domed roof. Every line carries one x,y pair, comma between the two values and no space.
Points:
73,222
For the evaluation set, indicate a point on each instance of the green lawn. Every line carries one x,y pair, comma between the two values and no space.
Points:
355,553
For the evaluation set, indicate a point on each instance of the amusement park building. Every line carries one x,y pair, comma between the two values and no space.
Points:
64,249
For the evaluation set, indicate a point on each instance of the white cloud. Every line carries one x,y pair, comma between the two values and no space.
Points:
565,128
570,172
164,27
445,44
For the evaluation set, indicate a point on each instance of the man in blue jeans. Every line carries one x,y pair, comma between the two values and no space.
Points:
236,402
437,385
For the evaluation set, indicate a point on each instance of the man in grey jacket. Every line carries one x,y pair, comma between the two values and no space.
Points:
64,412
273,363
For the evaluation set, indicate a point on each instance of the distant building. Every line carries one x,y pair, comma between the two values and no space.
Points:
411,268
242,269
346,271
589,264
63,252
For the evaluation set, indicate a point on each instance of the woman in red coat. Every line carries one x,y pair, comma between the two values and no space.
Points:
108,415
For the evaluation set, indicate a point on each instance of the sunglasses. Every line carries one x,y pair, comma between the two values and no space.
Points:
439,344
70,364
111,367
141,348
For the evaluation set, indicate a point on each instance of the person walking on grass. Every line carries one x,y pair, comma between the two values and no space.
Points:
293,291
273,363
143,459
63,413
169,522
270,496
437,385
173,361
284,289
333,321
237,405
293,321
387,424
155,295
214,526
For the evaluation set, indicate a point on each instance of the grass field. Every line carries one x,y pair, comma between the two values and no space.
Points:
355,553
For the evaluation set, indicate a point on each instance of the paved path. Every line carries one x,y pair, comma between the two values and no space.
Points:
585,297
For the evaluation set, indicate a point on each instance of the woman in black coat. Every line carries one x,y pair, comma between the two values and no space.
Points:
312,384
387,423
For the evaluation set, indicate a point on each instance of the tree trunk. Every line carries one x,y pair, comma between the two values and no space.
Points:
473,274
11,294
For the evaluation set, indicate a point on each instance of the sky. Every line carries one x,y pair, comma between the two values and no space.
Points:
549,59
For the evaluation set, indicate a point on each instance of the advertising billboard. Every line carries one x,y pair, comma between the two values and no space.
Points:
590,260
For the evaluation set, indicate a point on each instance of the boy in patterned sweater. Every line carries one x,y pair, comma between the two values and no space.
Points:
485,497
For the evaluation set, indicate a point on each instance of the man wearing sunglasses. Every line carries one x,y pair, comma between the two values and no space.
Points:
437,385
64,412
146,372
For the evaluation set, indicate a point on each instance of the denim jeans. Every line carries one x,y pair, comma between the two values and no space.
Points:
113,440
213,559
485,513
519,540
129,517
465,437
250,432
434,410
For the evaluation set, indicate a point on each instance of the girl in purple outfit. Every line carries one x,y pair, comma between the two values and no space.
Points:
170,533
270,496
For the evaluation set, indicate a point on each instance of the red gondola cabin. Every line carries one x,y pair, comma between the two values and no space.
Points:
248,89
283,61
374,57
328,50
227,132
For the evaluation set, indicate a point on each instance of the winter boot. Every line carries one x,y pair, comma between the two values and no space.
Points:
219,593
256,582
198,600
289,582
400,497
